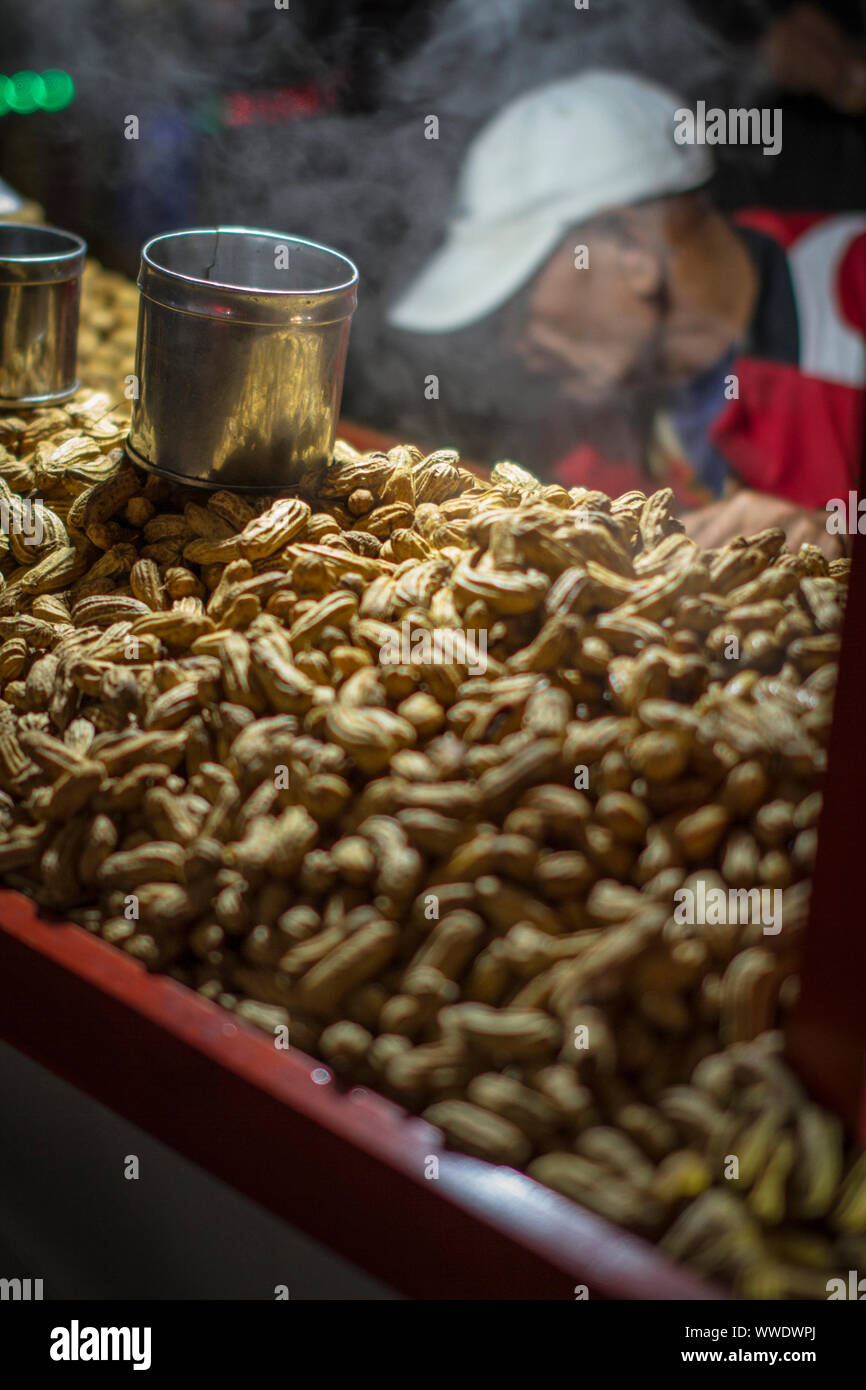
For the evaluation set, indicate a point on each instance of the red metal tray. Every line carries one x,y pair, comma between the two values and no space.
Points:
345,1166
826,1037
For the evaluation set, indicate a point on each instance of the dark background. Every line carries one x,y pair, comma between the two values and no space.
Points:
311,121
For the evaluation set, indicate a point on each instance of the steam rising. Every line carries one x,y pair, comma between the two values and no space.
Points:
365,182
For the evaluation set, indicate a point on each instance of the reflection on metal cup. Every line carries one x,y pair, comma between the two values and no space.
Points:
40,285
242,338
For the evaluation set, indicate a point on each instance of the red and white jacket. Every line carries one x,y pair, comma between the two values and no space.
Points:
796,429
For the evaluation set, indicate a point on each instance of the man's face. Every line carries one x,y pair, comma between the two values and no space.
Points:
597,329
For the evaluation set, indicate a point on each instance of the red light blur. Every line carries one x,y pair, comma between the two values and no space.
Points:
271,108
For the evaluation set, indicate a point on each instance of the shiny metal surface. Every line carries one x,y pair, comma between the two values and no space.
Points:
242,338
40,284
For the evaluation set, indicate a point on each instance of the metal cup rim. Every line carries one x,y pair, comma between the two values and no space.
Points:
78,247
276,294
56,267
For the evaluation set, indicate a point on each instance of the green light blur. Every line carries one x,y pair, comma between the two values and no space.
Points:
26,92
59,90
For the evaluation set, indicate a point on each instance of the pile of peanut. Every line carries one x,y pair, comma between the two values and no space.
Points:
455,888
107,327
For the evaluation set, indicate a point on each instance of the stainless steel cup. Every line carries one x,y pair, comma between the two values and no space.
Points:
242,339
40,285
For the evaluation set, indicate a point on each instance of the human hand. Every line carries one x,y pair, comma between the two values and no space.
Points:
746,512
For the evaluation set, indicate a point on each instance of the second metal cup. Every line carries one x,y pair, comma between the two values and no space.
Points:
40,284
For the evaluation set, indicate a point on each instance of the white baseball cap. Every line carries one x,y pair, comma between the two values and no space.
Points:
551,159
